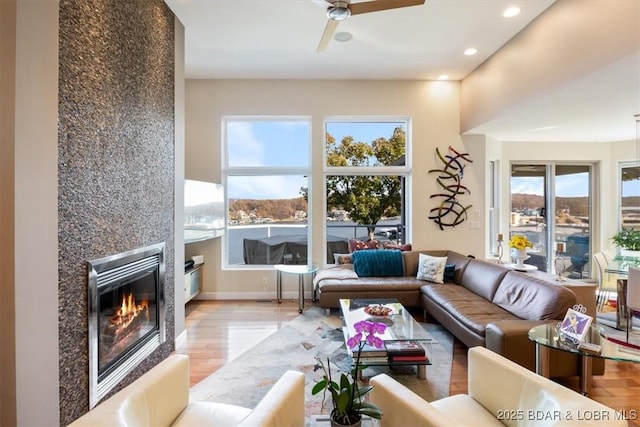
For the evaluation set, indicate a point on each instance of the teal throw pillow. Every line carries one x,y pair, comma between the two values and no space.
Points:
378,263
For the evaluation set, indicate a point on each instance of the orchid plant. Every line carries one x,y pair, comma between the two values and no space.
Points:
347,395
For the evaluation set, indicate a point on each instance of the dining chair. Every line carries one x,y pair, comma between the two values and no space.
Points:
633,296
608,255
607,283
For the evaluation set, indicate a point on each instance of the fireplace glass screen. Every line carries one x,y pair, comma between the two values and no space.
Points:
126,315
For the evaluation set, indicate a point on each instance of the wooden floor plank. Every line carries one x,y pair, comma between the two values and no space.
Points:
218,331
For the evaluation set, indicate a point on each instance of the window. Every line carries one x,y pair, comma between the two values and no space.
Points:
494,210
365,181
551,204
266,165
629,201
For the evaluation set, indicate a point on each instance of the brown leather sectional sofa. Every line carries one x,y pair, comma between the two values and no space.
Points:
487,304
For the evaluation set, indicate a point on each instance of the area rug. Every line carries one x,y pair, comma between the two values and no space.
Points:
246,379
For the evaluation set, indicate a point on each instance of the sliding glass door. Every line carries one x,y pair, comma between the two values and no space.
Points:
551,204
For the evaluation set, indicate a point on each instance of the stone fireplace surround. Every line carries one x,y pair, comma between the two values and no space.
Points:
115,163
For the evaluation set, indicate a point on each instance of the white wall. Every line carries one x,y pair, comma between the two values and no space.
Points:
433,107
179,181
568,41
36,213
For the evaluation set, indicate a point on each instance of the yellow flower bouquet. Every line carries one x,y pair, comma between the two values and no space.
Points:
520,242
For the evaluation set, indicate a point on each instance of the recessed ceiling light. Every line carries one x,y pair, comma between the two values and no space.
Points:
343,36
443,77
471,51
510,12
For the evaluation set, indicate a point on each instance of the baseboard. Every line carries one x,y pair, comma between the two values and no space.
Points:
181,339
249,296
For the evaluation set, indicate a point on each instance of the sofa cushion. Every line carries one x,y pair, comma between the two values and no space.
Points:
358,245
483,278
431,268
390,245
373,263
466,411
469,309
369,285
531,298
211,413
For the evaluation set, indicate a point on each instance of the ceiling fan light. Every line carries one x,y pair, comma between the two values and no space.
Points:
339,11
343,36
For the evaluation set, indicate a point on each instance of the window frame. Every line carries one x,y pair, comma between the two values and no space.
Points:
623,165
401,171
257,171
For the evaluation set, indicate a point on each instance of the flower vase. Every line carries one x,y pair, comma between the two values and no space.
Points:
520,255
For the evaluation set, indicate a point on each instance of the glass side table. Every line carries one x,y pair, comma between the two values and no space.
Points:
301,271
546,337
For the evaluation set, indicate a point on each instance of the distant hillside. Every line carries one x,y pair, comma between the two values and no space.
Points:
277,209
576,206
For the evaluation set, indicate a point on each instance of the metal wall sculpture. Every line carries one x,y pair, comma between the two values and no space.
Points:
450,212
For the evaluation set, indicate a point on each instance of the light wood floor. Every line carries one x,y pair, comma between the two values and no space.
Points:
218,331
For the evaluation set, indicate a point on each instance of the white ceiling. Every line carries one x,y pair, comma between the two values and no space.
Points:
277,39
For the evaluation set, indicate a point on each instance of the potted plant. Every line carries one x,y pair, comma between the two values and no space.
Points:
346,394
628,239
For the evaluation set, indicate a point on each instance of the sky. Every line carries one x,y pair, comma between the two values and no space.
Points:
570,185
282,144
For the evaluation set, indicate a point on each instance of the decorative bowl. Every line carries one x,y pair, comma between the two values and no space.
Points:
378,311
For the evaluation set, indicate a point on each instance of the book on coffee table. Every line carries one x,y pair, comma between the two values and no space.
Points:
409,359
404,348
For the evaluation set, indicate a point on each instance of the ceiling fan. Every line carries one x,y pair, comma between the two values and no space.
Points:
339,10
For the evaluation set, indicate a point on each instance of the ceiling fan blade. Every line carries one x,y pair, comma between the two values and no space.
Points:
329,29
377,5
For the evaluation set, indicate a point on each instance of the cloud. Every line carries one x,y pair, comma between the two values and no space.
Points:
265,187
527,185
244,148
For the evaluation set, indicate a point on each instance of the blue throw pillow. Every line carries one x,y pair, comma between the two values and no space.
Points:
449,272
378,263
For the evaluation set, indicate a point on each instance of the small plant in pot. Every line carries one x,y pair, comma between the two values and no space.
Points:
347,395
628,239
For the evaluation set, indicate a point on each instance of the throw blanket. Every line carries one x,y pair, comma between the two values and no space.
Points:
339,272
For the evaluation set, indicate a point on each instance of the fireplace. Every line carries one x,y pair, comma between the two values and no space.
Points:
126,315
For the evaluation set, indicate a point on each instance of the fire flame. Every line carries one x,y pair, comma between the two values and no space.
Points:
128,311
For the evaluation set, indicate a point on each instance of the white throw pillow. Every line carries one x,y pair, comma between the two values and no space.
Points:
343,259
431,268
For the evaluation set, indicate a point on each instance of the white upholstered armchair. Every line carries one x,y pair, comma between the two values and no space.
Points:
160,397
501,392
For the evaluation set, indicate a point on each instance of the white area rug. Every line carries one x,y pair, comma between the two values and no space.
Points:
245,380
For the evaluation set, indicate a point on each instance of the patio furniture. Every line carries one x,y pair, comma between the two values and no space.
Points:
578,249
